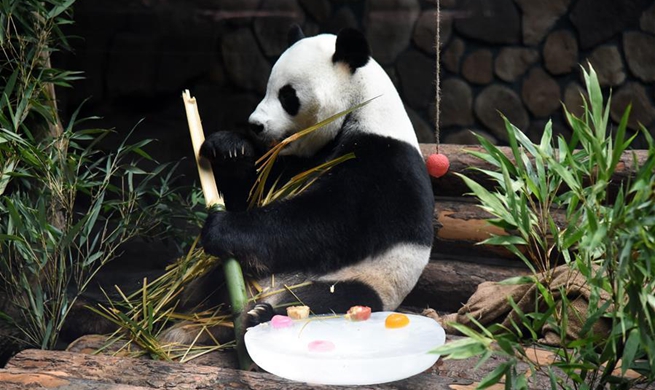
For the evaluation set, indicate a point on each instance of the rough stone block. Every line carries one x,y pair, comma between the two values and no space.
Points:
416,71
608,64
424,131
512,62
456,103
478,67
642,108
498,98
560,52
426,30
539,16
640,54
452,56
540,92
647,20
496,21
599,20
574,96
389,25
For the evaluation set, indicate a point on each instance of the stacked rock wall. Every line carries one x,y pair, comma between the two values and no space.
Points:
522,58
519,57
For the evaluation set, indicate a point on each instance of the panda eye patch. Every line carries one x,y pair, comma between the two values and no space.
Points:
289,99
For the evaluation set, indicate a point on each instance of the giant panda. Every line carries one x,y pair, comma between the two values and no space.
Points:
361,233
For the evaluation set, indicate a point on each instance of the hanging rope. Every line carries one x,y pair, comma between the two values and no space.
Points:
437,111
437,163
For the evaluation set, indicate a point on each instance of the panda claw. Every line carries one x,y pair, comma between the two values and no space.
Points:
260,313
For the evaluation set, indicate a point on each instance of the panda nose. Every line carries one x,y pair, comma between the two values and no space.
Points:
256,128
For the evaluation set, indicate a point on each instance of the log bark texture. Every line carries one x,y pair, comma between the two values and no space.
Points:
460,225
447,285
71,371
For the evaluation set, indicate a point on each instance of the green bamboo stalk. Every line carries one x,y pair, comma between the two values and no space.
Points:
236,288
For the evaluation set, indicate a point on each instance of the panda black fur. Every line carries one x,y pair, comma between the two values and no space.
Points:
361,233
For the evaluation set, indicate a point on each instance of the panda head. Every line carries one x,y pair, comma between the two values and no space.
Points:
312,80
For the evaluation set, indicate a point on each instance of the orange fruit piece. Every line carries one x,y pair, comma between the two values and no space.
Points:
396,320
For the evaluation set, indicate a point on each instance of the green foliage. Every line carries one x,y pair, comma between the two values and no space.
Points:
65,206
604,233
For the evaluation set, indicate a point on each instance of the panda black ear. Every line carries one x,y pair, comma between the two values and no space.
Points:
294,35
351,48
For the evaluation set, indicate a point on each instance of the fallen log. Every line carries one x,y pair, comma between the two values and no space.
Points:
461,225
72,371
461,161
447,285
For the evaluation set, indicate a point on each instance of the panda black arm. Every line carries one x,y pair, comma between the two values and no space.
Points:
233,159
362,207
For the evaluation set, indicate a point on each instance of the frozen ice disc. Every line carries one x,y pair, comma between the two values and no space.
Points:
359,353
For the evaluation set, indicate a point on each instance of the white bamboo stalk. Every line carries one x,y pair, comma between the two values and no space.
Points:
207,181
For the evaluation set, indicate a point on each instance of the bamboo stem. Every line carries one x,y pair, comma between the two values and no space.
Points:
207,181
236,285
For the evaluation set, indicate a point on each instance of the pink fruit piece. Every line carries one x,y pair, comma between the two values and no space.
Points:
320,346
437,165
279,322
358,313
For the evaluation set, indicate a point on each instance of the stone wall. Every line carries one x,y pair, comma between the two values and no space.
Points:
519,57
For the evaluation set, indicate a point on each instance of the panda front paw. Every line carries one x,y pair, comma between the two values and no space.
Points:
213,235
227,146
260,313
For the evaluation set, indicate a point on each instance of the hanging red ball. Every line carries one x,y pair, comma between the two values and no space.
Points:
437,165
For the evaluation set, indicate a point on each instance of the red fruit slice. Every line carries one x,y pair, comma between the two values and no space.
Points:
358,313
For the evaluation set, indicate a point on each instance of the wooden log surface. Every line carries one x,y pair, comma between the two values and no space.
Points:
461,225
72,371
460,161
446,285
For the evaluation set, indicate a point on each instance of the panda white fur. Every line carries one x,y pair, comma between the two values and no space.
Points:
361,233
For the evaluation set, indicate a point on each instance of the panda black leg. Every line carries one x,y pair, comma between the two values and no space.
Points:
338,297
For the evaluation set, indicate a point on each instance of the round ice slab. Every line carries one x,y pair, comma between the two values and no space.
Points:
360,353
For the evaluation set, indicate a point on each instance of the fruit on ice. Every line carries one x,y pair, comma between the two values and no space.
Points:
358,313
396,320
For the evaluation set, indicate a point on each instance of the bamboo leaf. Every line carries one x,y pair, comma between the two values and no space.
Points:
495,376
60,8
